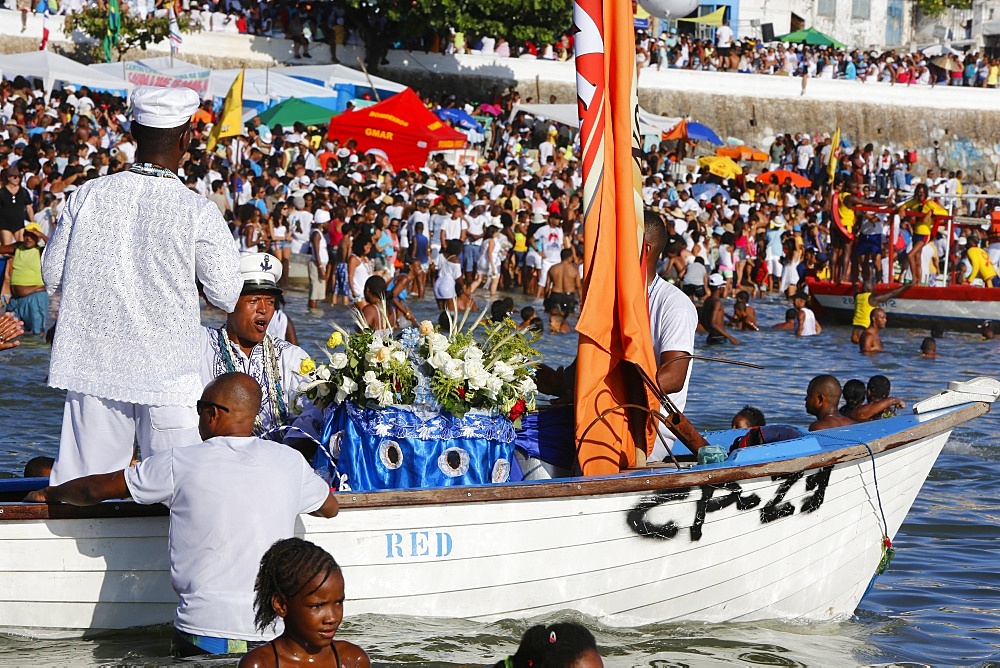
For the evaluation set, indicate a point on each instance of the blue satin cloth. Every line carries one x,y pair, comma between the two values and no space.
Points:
396,448
548,434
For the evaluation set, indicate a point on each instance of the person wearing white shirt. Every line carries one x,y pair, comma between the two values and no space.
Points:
213,489
133,377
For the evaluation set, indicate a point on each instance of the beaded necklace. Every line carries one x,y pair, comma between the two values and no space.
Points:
149,169
275,395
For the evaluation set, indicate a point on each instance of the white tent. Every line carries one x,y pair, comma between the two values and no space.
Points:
568,114
331,75
52,68
264,88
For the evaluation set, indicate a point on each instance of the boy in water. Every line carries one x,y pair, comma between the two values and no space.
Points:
744,317
880,404
928,348
822,400
791,320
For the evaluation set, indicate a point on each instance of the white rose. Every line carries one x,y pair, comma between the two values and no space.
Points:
426,328
528,385
437,342
454,369
323,372
338,360
493,386
347,388
478,381
376,343
383,354
473,368
369,377
374,389
504,371
385,398
398,356
473,353
439,359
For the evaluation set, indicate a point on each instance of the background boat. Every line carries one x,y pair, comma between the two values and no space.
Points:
956,308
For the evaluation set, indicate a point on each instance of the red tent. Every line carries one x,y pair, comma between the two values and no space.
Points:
402,126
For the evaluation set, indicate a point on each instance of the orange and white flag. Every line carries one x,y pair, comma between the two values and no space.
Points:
614,318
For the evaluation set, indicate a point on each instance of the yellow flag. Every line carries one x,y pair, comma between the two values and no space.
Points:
230,122
831,166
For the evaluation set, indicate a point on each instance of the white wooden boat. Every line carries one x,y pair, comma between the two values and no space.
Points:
788,530
957,307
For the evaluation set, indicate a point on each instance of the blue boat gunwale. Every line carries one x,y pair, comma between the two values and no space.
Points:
835,446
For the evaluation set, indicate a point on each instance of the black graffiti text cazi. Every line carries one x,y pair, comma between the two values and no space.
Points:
716,497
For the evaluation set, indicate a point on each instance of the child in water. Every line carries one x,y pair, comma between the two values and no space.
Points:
565,645
301,583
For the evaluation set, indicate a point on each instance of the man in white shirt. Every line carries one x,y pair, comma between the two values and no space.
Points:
673,320
126,347
215,490
549,241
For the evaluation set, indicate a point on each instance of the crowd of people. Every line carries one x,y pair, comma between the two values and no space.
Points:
725,53
510,222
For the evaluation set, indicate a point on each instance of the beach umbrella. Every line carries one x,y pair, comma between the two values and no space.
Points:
939,50
813,37
780,175
461,118
294,110
381,158
691,130
720,165
743,152
709,189
947,63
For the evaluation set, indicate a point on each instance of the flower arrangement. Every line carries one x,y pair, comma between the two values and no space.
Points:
488,367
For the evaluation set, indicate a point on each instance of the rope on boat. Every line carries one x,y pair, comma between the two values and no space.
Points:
888,551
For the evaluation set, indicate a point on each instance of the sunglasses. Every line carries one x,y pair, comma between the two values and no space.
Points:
201,406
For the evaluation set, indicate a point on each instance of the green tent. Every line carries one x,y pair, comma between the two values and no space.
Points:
811,36
295,110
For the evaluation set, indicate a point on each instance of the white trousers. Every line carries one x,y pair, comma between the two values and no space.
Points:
100,435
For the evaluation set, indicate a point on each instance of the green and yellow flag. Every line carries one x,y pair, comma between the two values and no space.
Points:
230,122
114,27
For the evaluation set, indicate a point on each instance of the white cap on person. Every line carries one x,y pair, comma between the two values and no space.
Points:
260,271
716,280
156,107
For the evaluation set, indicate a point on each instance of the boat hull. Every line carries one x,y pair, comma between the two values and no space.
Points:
958,308
794,538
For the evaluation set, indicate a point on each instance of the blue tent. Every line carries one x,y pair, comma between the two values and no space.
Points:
460,118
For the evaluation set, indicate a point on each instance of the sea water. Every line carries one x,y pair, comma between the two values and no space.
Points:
939,602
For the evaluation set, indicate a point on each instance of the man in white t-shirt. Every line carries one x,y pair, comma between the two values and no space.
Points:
549,241
673,320
230,498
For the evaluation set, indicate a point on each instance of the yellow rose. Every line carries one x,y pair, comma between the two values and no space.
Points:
426,327
307,366
335,340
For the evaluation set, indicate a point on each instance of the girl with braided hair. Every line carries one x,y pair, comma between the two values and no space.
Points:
563,645
302,584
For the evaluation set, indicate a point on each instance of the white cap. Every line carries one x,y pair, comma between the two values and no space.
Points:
261,271
156,107
321,216
716,280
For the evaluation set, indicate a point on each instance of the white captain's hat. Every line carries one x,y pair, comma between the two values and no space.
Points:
261,273
156,107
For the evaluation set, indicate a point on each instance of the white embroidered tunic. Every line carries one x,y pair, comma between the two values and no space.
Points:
125,255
